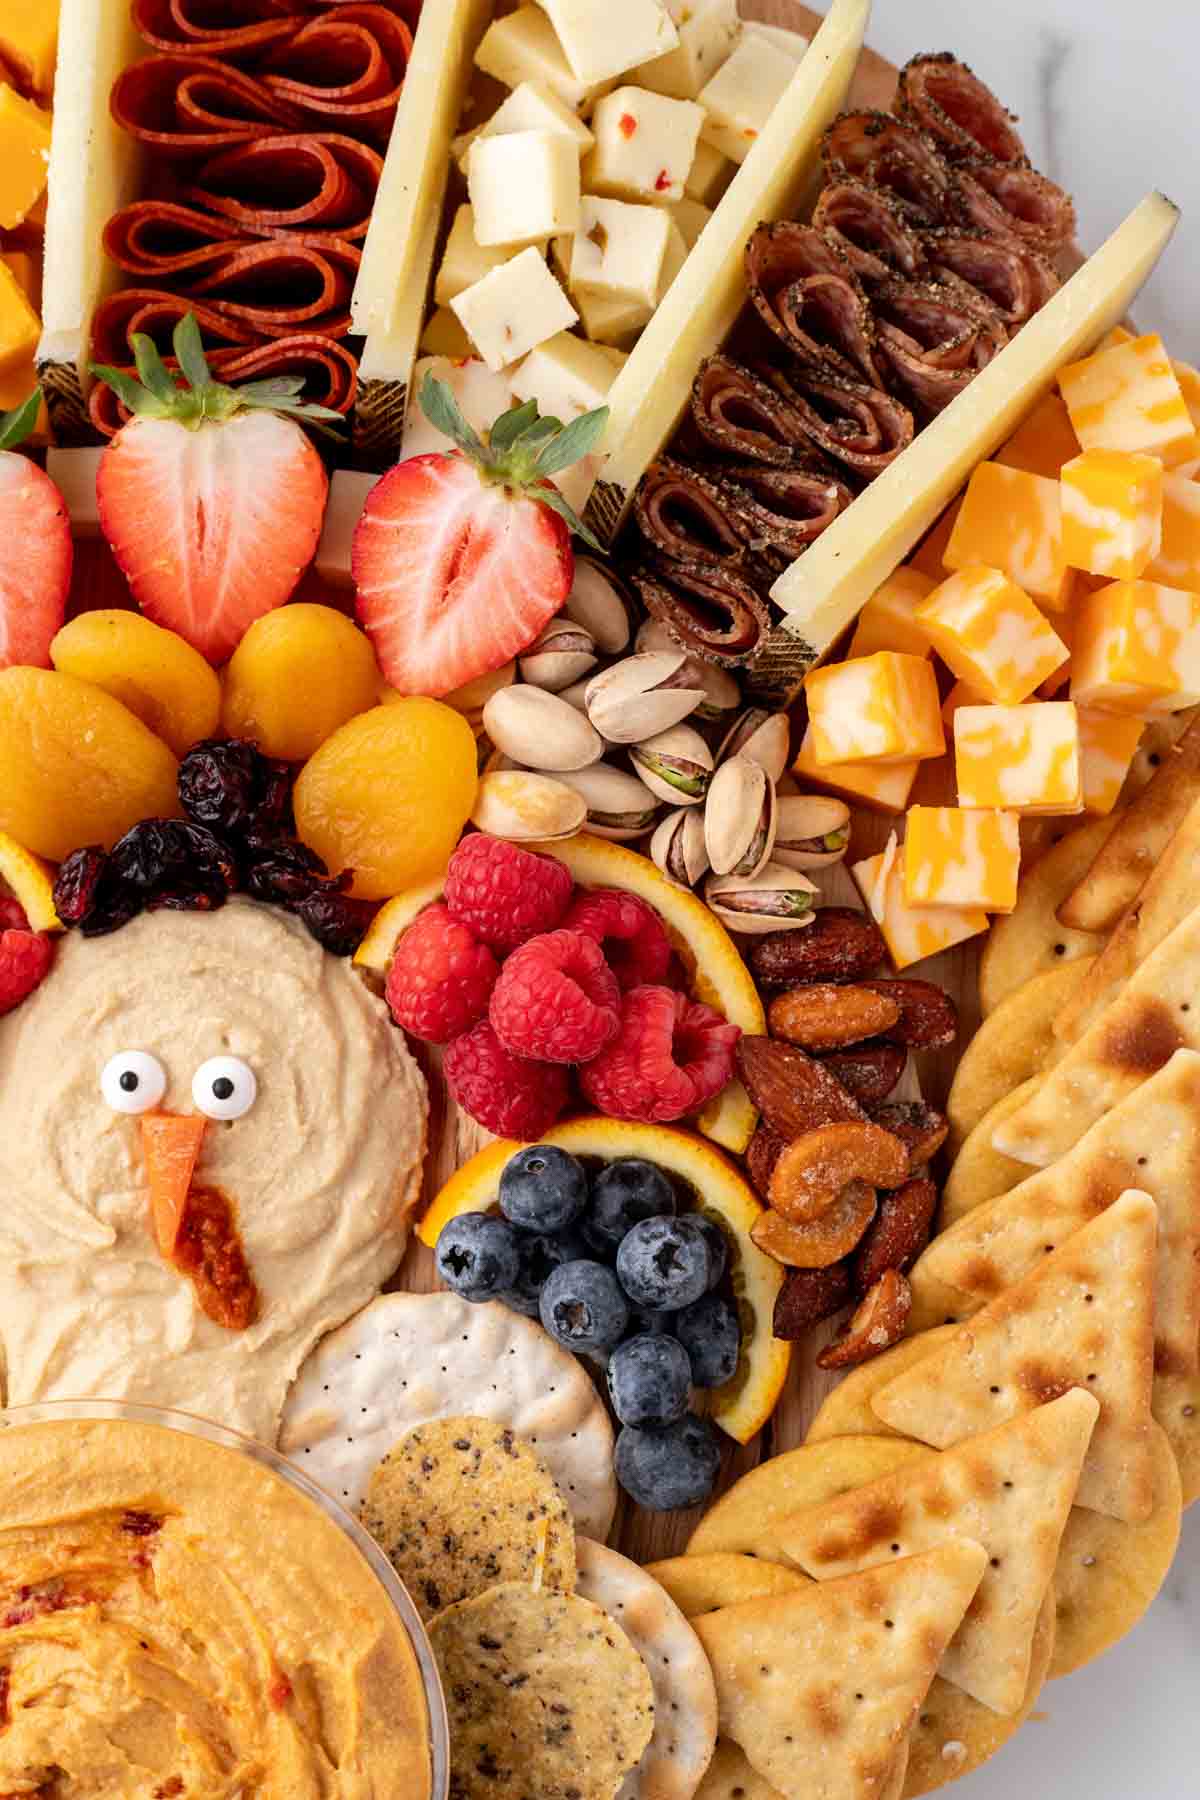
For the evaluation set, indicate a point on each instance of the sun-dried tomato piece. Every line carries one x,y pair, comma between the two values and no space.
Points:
208,1250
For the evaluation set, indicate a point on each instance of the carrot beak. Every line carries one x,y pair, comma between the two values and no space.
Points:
170,1144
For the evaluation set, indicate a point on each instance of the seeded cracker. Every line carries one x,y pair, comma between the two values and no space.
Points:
462,1504
547,1698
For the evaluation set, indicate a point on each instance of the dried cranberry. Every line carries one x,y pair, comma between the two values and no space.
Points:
282,870
220,783
338,923
273,796
161,857
78,880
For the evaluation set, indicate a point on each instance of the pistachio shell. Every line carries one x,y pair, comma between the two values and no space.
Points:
640,696
596,602
776,899
761,736
559,655
739,818
618,805
512,803
576,694
675,764
540,731
722,695
678,846
811,832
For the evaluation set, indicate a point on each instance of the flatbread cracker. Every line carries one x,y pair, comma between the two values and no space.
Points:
847,1411
821,1687
741,1519
685,1698
1015,1042
1011,1491
408,1358
980,1172
703,1584
731,1777
1083,1318
1030,939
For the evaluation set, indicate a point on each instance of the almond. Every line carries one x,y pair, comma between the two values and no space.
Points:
841,944
808,1296
897,1234
791,1091
878,1324
825,1016
825,1240
815,1168
869,1071
921,1127
928,1016
762,1153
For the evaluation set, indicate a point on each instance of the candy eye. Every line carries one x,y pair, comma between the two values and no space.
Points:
224,1087
133,1081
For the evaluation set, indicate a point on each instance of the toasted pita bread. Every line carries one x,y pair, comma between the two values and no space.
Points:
980,1172
1015,1042
1010,1490
847,1411
1084,1317
741,1519
821,1687
1030,939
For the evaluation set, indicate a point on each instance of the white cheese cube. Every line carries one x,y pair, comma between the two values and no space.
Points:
710,174
460,147
482,396
348,490
708,30
444,336
524,187
601,38
73,473
618,250
673,261
522,46
566,376
645,146
611,325
790,43
464,260
533,106
690,217
618,358
742,94
516,307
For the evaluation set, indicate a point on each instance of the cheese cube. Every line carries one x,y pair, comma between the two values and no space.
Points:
1063,626
74,472
673,260
741,96
608,323
522,46
955,857
930,552
27,271
881,708
618,250
1177,563
910,933
961,694
1118,335
566,376
17,382
534,106
24,157
1107,744
1011,520
481,395
464,260
886,621
645,145
523,187
990,633
444,336
1044,442
29,41
603,40
788,43
710,174
20,327
1128,398
691,218
1189,386
512,310
884,787
1019,758
708,30
1112,508
1137,649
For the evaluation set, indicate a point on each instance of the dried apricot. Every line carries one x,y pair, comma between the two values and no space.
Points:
823,1241
815,1168
298,674
155,673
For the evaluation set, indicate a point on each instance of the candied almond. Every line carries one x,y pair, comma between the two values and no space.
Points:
823,1241
868,1071
897,1234
928,1016
792,1092
762,1153
923,1128
877,1324
808,1296
841,944
815,1168
826,1016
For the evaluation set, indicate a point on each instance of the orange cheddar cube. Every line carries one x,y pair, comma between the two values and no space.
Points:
29,41
1044,442
910,933
957,857
1019,758
20,326
1112,511
16,385
1128,398
886,621
1177,563
24,156
884,787
961,694
1107,743
991,634
1189,386
881,708
28,274
1010,521
927,557
1137,649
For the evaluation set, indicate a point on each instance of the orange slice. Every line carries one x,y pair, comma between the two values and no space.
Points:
376,950
31,881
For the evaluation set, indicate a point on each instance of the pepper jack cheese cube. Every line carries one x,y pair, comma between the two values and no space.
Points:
1011,520
24,157
708,30
910,933
1019,758
956,857
881,708
1177,563
691,218
884,787
610,323
566,376
710,174
464,260
29,41
645,145
534,106
524,187
1112,507
522,46
1107,744
618,250
1044,442
1128,398
444,336
990,633
604,40
741,96
481,396
512,310
20,327
886,621
1137,649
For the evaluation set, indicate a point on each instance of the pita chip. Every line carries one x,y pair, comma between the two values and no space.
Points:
1084,1318
821,1688
1010,1490
1156,1013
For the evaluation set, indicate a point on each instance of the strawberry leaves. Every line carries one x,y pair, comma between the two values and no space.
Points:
15,426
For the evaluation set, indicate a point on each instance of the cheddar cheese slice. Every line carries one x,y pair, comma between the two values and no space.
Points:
1177,563
1137,649
1010,520
957,857
883,787
881,708
1043,442
1112,512
886,621
910,933
1128,398
1023,758
1107,743
990,633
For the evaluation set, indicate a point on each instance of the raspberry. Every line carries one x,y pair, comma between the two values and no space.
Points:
12,914
504,1093
669,1058
505,894
557,999
633,936
441,977
25,958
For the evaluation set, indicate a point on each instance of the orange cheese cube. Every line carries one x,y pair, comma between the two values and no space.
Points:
24,156
1177,563
884,787
881,708
1063,625
910,933
1112,509
1044,442
27,270
1128,398
886,621
991,634
961,694
1023,758
927,557
1010,521
1137,649
1118,335
29,40
956,857
1189,386
1107,743
16,385
20,327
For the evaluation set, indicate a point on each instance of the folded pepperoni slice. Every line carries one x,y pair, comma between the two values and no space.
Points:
325,181
1011,276
868,226
225,28
740,415
864,428
711,611
347,66
329,372
683,513
932,341
156,313
278,287
961,114
1019,201
805,290
181,105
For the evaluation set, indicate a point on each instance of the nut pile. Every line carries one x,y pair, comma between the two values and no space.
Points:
843,1168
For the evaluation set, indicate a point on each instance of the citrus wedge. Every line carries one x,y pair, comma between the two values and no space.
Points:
375,952
744,1404
32,883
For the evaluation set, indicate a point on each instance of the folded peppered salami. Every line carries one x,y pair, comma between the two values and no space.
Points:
742,416
869,228
894,156
960,113
711,611
1014,278
864,428
1020,201
806,292
684,514
783,510
932,341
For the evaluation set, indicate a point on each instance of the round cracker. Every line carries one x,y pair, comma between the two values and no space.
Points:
544,1696
685,1694
731,1776
703,1584
1177,1409
742,1519
461,1505
1029,940
409,1358
981,1172
1014,1042
847,1411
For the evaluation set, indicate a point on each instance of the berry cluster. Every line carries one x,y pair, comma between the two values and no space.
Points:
25,955
613,1271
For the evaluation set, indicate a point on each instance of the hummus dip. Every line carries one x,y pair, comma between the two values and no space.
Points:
176,1620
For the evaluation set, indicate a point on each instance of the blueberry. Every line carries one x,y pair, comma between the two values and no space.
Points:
649,1379
718,1247
709,1332
675,1467
543,1189
663,1264
477,1255
641,1319
539,1254
625,1192
582,1306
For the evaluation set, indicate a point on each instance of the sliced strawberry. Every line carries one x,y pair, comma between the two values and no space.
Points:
35,529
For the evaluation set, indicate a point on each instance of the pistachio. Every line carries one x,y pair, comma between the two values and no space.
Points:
540,731
576,694
739,817
618,805
722,695
597,601
762,737
776,899
473,695
641,696
512,803
811,832
675,764
678,846
559,655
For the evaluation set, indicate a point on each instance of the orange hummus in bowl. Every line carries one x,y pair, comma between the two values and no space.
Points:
182,1613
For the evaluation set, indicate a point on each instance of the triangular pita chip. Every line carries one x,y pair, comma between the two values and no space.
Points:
1156,1013
821,1687
1011,1491
1083,1318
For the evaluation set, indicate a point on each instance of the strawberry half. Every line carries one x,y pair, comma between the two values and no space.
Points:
211,497
461,558
35,571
